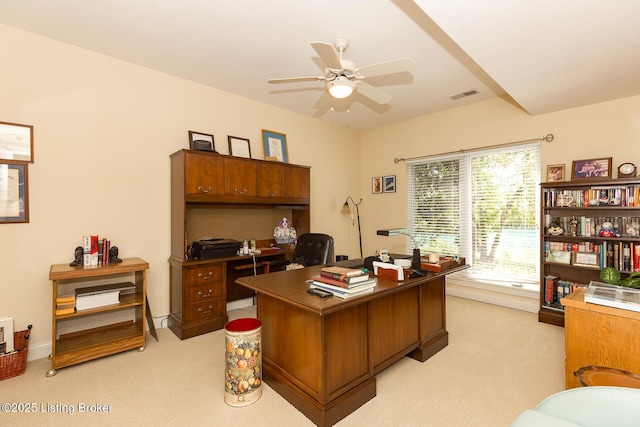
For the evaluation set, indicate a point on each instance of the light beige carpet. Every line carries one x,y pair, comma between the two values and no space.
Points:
499,362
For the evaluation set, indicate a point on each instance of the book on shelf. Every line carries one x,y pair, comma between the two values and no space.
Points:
343,292
550,289
67,308
343,284
101,295
66,299
613,296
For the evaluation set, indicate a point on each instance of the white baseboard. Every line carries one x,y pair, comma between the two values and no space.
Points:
495,298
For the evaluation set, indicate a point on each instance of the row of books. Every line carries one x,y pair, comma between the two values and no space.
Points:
556,289
625,256
93,297
95,250
586,226
343,282
623,195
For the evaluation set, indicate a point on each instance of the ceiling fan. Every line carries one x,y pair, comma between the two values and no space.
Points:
342,77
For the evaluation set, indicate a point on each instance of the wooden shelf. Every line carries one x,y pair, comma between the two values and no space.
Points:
126,301
88,343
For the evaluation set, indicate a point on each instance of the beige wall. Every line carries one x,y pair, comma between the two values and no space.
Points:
610,129
104,130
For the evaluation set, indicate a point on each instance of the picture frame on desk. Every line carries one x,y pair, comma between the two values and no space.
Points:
239,147
275,146
16,142
201,141
14,197
591,169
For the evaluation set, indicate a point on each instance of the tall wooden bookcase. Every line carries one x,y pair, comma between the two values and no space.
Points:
576,258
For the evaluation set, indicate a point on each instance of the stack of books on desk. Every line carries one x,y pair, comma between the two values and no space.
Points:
343,282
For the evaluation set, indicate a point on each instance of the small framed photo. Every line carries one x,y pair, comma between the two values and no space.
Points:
389,184
239,147
201,141
376,185
275,146
16,142
591,168
14,193
555,173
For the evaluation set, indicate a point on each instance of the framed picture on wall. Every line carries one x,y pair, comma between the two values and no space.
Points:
376,185
389,184
16,142
14,196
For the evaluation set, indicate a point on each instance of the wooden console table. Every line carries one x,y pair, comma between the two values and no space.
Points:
322,354
599,335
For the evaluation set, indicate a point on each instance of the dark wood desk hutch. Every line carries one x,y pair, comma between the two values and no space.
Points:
234,198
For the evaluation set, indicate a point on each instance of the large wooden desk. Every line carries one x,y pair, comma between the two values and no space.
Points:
599,335
322,354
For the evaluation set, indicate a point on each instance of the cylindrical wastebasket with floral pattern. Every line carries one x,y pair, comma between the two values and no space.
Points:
243,362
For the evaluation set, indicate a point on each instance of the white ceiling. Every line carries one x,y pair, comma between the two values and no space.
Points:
546,55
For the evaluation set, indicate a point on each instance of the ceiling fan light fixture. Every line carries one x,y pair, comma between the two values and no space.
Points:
341,87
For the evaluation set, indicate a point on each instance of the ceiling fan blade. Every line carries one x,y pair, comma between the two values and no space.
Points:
297,79
373,93
328,55
389,67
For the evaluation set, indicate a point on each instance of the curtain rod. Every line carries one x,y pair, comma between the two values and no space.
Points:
548,137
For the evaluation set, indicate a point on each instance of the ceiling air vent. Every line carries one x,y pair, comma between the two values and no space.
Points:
464,94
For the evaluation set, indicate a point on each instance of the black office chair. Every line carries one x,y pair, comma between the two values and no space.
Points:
313,249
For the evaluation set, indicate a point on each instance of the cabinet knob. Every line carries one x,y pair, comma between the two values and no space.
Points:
203,277
205,311
202,190
206,295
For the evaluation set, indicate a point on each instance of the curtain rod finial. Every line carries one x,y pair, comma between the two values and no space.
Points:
548,137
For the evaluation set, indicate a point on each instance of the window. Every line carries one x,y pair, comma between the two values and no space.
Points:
482,205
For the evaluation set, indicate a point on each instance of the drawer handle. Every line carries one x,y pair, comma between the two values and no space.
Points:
206,277
202,190
205,311
245,191
272,193
207,295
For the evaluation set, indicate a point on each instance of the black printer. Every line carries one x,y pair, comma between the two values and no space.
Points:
215,248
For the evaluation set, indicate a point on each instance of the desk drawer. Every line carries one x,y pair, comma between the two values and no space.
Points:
204,310
205,275
203,292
